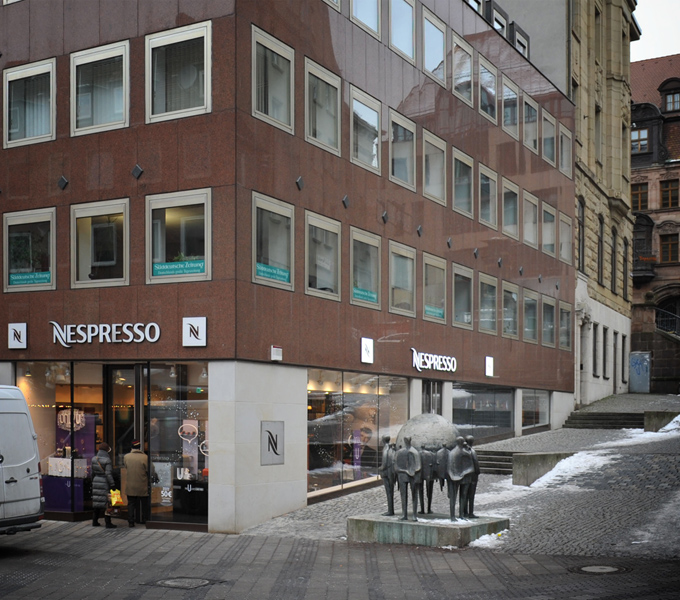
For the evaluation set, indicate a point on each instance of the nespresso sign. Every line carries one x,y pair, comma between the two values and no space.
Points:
105,333
433,362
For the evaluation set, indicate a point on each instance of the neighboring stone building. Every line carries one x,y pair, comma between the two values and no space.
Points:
655,147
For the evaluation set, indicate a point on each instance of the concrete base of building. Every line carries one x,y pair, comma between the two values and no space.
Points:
436,530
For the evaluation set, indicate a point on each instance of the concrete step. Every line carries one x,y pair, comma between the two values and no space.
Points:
495,462
592,420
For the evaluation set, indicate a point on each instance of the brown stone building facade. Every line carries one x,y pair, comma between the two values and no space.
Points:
261,235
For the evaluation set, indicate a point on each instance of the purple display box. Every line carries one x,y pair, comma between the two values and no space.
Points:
57,492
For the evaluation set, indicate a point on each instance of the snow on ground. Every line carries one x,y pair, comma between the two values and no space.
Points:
640,436
490,541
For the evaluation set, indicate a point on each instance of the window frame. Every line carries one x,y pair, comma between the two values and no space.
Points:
363,98
333,80
531,103
507,83
25,217
469,274
672,101
174,200
547,301
370,239
639,192
335,4
365,26
167,38
96,209
9,75
566,241
670,193
581,238
392,16
528,198
493,176
94,55
397,119
433,140
565,307
484,279
637,139
332,226
491,69
535,297
546,116
512,187
547,208
458,43
511,288
668,248
613,256
600,249
565,137
286,210
429,17
460,156
605,352
398,249
595,349
429,260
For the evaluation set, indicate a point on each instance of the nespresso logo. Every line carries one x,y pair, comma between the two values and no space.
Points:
435,362
104,333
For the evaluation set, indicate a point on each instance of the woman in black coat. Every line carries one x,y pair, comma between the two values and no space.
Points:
102,482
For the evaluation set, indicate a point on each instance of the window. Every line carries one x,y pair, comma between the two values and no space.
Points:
605,352
462,70
366,14
488,197
530,220
565,326
476,5
613,255
434,288
100,244
334,3
510,108
530,316
500,23
487,89
434,47
510,209
178,237
625,269
462,296
323,266
402,151
565,151
487,304
432,397
548,320
365,260
365,133
565,239
100,89
29,101
273,248
178,72
521,44
638,192
323,107
669,193
598,134
548,229
434,168
402,280
598,35
548,138
673,101
273,81
510,310
624,360
29,250
600,250
530,124
639,141
581,217
402,27
596,368
669,247
462,183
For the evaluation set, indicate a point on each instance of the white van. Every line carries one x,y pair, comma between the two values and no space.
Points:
21,500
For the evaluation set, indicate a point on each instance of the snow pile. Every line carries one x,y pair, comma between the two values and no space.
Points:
672,427
490,541
572,466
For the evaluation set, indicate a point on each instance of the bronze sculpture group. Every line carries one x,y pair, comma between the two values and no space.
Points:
419,468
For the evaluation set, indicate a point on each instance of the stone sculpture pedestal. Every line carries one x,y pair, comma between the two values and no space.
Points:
436,530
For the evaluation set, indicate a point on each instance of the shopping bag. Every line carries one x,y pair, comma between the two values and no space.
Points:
115,498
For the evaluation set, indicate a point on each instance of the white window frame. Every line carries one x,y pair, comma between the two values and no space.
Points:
311,68
5,2
439,263
437,23
328,226
397,249
528,198
286,210
485,171
396,118
93,55
548,301
334,3
286,52
470,274
566,240
526,100
546,116
475,5
565,143
566,307
488,66
433,140
96,209
507,83
511,288
470,162
23,72
500,23
546,208
521,44
175,36
370,239
484,279
365,26
399,51
531,295
508,185
373,104
173,200
458,42
25,217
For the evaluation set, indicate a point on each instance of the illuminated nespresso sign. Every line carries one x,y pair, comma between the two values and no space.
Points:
433,362
105,333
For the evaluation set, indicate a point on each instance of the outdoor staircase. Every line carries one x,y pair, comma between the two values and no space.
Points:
598,420
494,462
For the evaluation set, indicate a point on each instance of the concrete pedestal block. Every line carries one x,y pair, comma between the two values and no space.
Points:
435,530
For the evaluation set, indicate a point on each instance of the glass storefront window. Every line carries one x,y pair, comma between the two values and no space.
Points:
483,411
535,408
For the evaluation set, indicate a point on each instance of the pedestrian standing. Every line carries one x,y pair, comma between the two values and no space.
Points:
137,484
102,482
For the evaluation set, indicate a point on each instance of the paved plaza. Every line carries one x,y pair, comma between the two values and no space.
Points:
613,509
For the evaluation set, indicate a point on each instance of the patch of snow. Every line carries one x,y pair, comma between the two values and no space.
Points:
574,465
490,541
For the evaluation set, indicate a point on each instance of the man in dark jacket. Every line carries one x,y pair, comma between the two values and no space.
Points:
137,484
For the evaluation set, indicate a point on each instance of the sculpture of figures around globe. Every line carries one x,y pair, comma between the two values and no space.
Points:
388,473
460,467
409,470
470,512
442,464
429,474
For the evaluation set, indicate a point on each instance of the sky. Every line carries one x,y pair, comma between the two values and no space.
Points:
658,20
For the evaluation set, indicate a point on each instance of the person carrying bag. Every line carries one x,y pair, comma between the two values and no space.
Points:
102,482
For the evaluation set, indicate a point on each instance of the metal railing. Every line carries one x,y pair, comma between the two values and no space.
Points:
667,321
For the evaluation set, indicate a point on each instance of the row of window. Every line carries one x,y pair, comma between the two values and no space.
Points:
669,190
601,350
